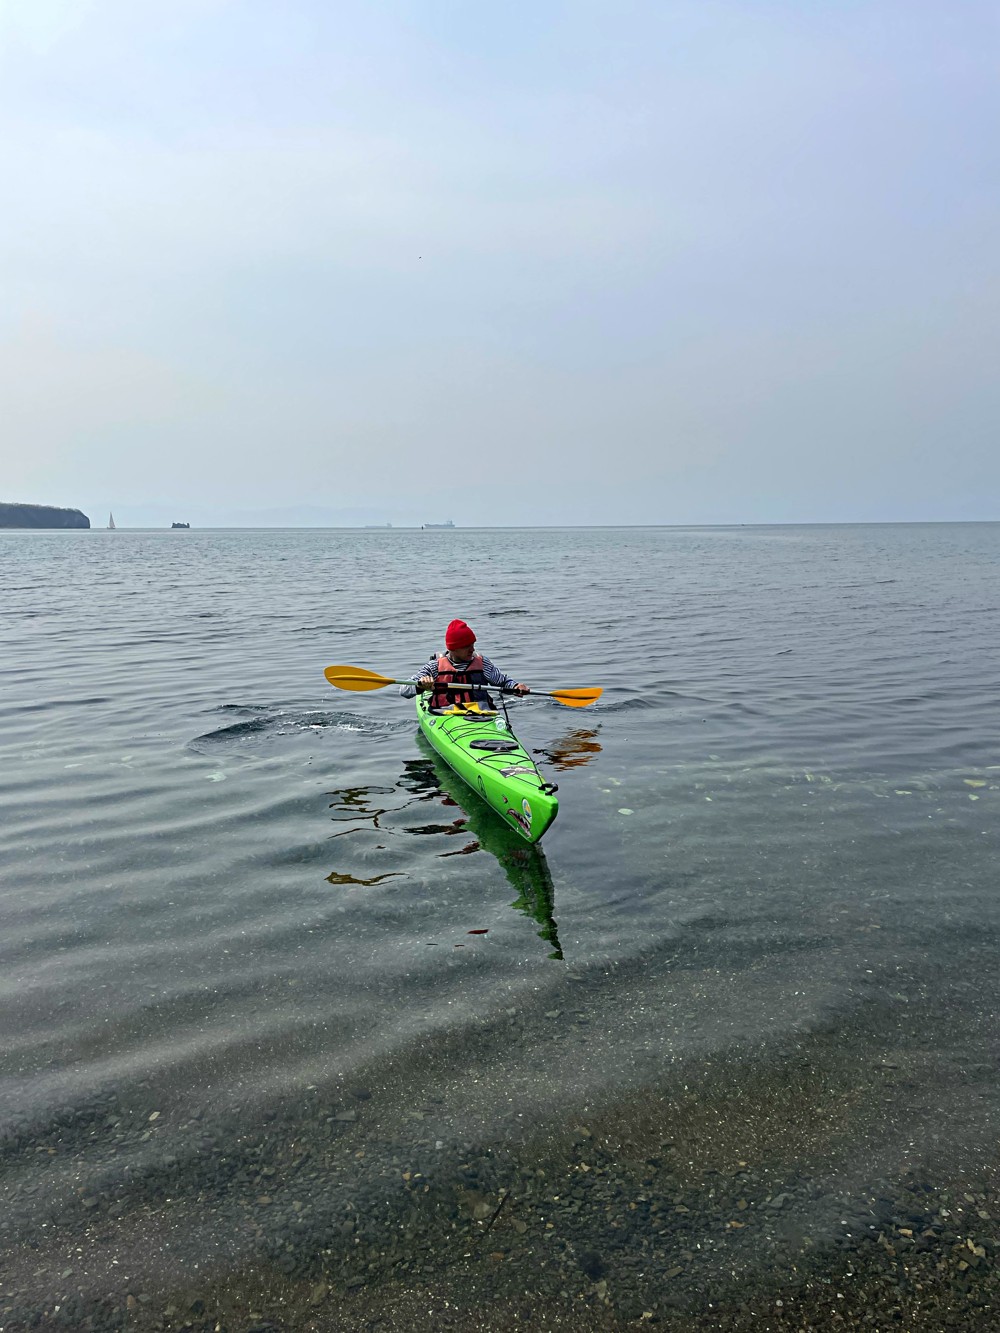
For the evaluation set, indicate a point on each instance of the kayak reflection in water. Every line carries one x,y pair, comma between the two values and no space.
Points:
370,818
460,664
525,866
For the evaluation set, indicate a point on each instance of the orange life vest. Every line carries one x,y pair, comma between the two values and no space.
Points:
448,674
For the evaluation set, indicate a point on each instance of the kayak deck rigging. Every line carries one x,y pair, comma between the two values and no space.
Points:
480,746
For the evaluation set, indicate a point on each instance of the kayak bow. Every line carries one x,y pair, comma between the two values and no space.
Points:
486,754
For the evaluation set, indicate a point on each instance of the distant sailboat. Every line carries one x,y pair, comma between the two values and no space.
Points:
111,522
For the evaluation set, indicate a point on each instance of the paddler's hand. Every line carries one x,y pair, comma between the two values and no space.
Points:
425,683
521,689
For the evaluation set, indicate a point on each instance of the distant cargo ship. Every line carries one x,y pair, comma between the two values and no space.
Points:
380,526
180,525
449,524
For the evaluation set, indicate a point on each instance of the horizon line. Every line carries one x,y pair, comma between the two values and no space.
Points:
514,527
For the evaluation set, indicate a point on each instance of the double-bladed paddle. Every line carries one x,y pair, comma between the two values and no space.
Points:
357,678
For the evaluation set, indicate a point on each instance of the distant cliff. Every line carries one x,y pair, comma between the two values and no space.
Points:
41,516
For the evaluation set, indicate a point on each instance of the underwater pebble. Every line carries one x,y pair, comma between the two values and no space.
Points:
625,811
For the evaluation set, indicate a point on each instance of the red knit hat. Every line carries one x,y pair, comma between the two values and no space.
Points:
458,635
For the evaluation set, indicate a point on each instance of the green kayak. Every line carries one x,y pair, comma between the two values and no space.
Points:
483,751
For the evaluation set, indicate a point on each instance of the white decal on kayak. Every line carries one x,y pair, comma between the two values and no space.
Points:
511,772
526,807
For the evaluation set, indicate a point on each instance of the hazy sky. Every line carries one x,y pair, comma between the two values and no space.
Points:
592,261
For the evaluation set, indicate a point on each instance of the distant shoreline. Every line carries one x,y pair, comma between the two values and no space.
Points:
14,516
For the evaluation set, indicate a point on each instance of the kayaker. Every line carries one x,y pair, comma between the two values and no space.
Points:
460,664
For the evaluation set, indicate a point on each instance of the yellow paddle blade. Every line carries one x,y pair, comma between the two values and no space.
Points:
357,678
574,698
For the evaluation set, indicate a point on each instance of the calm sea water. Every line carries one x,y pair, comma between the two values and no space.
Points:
236,905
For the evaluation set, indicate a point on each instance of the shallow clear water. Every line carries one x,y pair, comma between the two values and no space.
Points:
231,894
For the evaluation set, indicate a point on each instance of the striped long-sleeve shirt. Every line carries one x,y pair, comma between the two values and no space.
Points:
493,674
